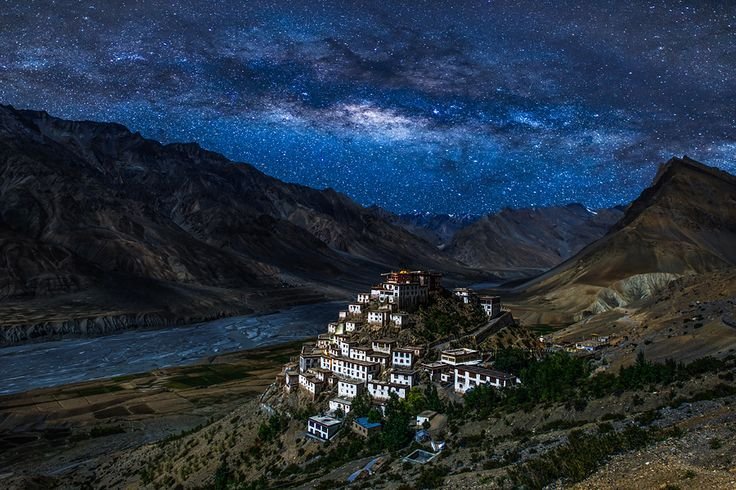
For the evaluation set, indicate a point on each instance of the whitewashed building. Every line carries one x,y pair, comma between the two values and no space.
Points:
310,383
353,368
383,345
466,295
378,317
406,377
468,377
380,357
352,326
460,356
349,388
401,357
360,352
340,404
355,308
364,298
323,427
381,391
400,319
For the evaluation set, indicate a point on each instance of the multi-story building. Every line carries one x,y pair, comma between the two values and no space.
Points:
353,326
466,295
401,357
307,361
323,427
310,383
378,317
381,391
380,357
435,370
360,352
383,345
364,298
355,308
491,305
407,377
461,356
400,319
349,388
468,377
340,404
352,368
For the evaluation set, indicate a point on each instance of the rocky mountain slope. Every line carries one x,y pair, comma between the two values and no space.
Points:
96,221
685,223
530,241
438,229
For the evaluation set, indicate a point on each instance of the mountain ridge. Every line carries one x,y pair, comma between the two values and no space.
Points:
96,213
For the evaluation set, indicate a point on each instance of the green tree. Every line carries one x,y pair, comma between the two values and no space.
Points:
396,433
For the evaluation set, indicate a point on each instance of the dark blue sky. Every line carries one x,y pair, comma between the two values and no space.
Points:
460,107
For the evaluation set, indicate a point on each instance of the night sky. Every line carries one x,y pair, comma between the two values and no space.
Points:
442,106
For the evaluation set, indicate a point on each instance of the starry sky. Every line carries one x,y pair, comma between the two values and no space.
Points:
432,106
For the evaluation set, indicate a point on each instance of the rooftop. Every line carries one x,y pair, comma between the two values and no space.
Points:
325,420
460,351
485,372
403,371
363,422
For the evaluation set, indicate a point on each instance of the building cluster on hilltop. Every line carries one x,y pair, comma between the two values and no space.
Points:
356,356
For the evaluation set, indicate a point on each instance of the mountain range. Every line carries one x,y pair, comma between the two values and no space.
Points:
684,224
524,242
101,228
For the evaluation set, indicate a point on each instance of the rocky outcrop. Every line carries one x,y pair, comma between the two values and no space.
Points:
630,290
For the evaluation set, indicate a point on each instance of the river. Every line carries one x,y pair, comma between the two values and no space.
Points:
57,362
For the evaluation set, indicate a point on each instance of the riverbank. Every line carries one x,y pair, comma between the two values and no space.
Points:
52,363
53,430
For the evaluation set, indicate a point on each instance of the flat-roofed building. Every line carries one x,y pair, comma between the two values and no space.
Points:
468,377
491,305
349,388
310,383
353,368
380,390
466,295
360,352
435,369
383,345
400,319
353,326
378,317
460,356
364,298
307,361
365,428
408,377
323,427
380,357
355,309
401,357
340,404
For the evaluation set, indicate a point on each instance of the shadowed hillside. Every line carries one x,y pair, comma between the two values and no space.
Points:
685,223
98,221
530,241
